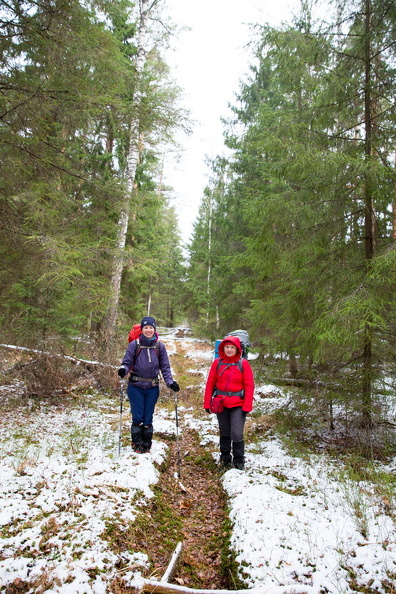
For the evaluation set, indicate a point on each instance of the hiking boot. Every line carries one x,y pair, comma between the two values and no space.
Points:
137,438
147,436
225,461
239,465
225,451
238,450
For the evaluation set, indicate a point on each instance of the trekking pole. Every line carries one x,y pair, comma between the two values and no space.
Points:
177,436
122,394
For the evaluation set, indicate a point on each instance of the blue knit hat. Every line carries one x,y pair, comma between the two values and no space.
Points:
148,322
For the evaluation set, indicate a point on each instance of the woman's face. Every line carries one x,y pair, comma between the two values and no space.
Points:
148,331
230,350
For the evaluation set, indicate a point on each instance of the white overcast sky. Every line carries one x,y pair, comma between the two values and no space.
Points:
207,62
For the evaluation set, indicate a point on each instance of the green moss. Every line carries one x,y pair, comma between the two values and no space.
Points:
230,569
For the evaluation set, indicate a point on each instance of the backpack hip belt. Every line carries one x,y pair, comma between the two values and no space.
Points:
153,380
241,393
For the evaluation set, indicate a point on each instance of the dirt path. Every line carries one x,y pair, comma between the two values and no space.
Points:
197,503
192,508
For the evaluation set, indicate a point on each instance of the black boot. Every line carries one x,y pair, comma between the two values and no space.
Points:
137,438
238,450
147,436
225,452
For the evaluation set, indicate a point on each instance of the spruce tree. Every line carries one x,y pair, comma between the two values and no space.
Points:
313,177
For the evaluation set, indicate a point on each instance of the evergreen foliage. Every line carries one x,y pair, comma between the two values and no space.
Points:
66,83
304,253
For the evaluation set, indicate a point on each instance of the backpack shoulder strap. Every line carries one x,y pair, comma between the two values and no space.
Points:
137,351
220,362
139,348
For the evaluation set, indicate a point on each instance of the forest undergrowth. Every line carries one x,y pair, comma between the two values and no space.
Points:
188,503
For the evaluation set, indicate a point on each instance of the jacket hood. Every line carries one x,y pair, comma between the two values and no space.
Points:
230,340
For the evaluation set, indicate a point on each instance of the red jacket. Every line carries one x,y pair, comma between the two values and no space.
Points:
231,379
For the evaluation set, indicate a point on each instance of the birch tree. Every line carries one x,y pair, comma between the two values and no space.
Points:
68,76
132,162
60,69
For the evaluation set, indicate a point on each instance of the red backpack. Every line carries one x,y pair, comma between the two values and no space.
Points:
134,333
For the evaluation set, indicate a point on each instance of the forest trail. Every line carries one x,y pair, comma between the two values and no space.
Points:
45,497
190,486
193,508
78,516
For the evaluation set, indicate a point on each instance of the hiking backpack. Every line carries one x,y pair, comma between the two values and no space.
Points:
243,338
134,333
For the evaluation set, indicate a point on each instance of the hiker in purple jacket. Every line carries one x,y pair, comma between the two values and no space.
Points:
144,359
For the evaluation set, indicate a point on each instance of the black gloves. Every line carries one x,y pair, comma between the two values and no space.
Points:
207,410
174,386
121,372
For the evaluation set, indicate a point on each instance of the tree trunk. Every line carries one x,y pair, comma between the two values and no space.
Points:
209,275
293,367
149,296
132,161
369,222
394,210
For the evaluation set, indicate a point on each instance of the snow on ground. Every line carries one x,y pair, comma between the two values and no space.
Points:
295,521
301,521
67,463
299,525
269,397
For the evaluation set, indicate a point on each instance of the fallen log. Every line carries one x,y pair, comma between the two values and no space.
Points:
170,570
290,381
59,355
165,588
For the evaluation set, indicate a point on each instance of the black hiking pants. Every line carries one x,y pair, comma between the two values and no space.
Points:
231,425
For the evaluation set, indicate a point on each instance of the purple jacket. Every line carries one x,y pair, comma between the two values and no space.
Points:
148,363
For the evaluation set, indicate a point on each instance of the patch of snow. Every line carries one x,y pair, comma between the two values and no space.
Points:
299,526
66,466
295,523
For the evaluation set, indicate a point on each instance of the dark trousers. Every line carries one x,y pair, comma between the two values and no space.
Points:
142,404
231,425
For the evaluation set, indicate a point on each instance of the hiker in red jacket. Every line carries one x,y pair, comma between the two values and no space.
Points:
231,378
